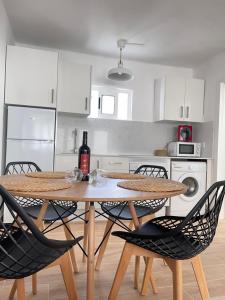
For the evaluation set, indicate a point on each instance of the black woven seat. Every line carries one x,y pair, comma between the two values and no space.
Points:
175,239
24,250
121,211
179,237
55,210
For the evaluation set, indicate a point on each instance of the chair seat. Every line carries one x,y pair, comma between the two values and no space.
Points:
27,255
121,211
158,239
52,213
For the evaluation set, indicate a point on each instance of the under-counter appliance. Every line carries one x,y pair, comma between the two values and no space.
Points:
193,174
30,135
184,149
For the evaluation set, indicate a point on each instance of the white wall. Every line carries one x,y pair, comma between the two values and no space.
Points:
142,84
213,71
5,37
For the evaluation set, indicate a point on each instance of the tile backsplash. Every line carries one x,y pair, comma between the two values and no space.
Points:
113,137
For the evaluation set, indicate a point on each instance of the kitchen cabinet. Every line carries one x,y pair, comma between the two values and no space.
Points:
74,87
114,163
179,99
31,77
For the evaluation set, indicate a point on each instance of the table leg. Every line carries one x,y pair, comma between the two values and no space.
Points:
91,253
137,258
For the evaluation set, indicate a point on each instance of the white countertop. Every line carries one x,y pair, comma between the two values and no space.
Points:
139,156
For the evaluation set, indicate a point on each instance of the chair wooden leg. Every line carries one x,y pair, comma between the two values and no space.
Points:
136,272
107,232
177,280
68,277
20,286
200,277
123,264
34,284
71,251
85,240
13,291
147,276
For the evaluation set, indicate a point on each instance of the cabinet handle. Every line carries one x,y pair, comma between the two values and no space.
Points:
115,163
86,103
182,111
99,103
52,95
187,112
97,163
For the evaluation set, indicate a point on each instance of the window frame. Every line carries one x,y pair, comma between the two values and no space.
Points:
112,91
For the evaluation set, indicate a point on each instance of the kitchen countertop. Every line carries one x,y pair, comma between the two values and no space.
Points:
140,156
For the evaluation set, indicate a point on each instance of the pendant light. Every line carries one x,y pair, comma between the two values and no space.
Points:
120,73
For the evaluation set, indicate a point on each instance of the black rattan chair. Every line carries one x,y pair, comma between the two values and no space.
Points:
24,250
120,211
174,239
56,209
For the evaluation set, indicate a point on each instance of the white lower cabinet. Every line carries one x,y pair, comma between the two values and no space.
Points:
114,163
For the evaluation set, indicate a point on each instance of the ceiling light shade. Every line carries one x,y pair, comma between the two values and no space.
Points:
120,74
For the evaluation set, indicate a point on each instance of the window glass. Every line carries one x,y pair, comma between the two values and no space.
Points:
122,109
108,104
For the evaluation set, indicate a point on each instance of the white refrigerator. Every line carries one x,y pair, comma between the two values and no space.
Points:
31,135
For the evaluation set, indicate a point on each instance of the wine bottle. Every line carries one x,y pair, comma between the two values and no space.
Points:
84,157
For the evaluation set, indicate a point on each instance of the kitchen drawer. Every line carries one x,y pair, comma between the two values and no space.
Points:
119,164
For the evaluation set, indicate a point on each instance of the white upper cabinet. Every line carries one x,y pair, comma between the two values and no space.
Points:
194,100
74,87
179,99
31,77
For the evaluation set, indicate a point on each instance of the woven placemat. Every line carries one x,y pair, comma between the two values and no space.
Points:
47,175
117,175
152,185
33,185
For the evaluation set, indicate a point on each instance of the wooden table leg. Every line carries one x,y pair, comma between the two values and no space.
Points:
85,240
91,253
137,258
39,223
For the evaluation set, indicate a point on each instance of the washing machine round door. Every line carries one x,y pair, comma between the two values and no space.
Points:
192,184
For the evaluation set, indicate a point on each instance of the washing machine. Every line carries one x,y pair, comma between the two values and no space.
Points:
192,174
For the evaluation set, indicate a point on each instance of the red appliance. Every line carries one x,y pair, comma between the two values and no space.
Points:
184,133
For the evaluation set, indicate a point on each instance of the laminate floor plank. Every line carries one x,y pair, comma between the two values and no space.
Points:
51,285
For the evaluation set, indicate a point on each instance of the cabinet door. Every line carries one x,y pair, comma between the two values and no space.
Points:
74,87
174,98
194,100
31,77
114,163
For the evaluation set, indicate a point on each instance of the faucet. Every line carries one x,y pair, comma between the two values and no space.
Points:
75,149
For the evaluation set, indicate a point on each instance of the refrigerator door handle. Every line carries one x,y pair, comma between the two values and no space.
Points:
52,95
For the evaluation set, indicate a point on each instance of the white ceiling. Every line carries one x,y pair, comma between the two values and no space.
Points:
175,32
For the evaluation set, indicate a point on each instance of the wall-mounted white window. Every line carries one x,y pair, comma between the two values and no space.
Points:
111,103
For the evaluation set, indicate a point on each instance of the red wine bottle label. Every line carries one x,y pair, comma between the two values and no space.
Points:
84,163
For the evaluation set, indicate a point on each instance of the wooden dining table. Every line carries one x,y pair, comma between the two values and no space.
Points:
104,189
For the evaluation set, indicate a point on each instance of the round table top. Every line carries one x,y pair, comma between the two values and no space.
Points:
104,189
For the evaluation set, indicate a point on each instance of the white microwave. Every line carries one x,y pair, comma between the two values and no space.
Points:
184,149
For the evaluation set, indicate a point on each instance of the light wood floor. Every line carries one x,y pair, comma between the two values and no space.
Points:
51,286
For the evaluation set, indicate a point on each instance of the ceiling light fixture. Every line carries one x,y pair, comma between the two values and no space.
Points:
120,73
